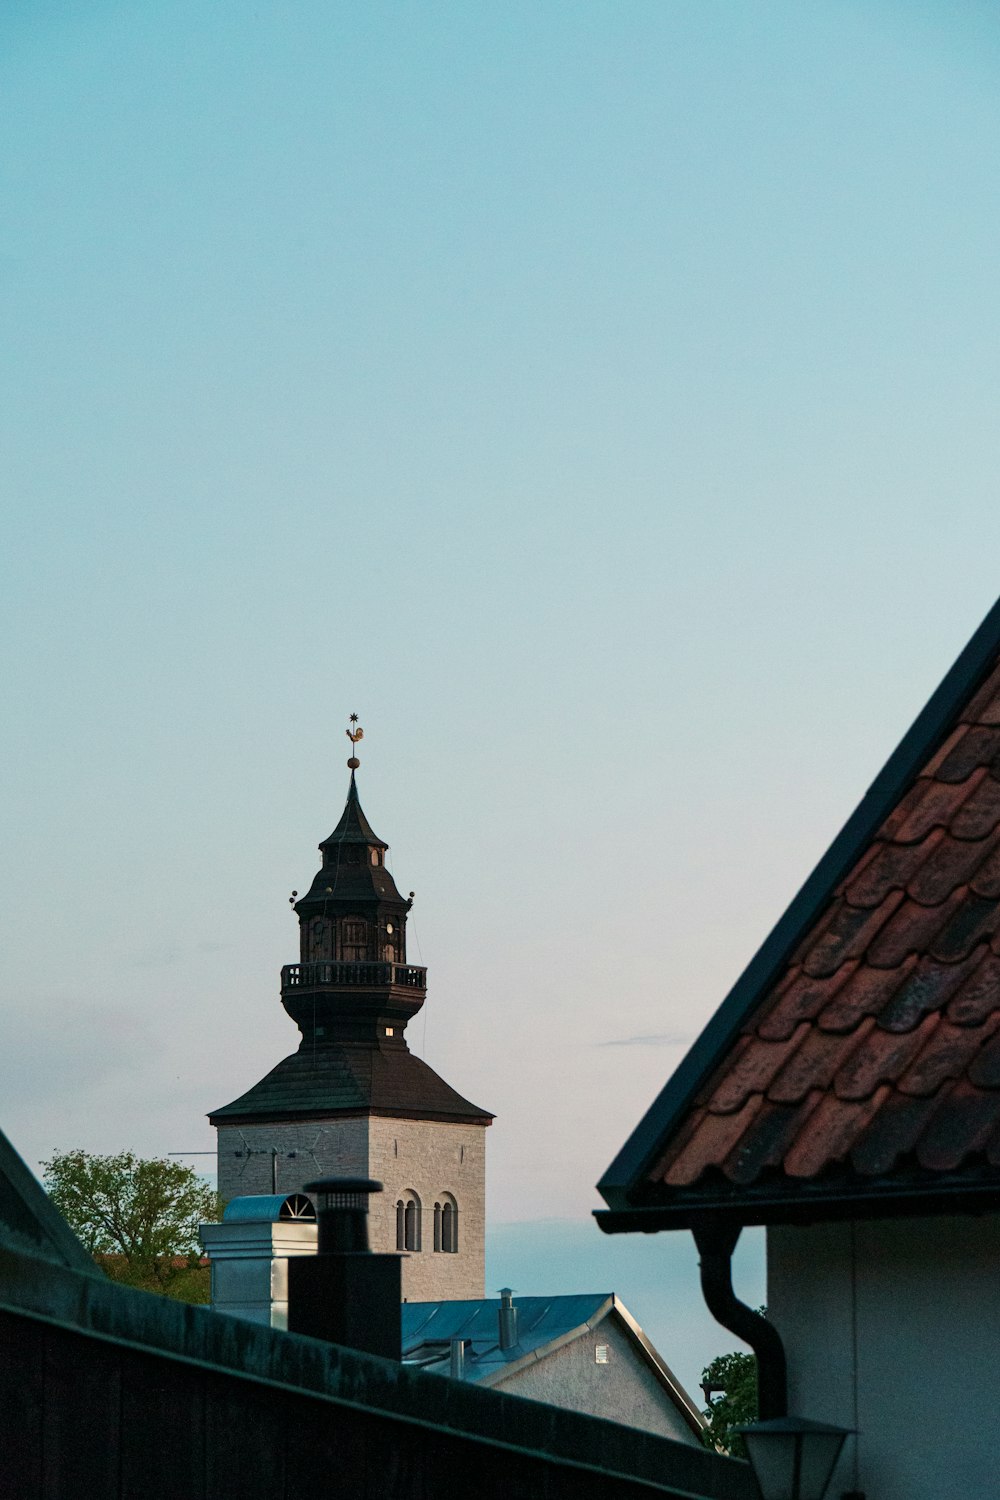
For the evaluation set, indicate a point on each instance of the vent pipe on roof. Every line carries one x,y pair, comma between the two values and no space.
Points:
457,1370
716,1243
508,1319
344,1293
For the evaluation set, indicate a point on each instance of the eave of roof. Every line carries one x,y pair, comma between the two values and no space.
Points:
340,1079
623,1184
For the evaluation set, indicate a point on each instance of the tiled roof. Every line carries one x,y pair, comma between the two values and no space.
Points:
871,1056
318,1081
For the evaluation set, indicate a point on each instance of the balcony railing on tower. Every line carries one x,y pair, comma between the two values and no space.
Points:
328,975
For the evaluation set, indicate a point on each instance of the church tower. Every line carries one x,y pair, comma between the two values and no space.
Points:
353,1101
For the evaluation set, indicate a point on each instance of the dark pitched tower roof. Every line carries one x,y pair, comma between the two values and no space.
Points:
344,877
855,1066
354,827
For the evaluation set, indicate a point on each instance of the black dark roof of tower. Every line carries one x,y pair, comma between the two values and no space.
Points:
354,827
343,880
319,1081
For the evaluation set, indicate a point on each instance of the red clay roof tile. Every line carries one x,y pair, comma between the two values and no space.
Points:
946,1053
710,1142
892,1133
754,1070
910,930
846,935
979,993
830,1131
882,1058
979,813
927,988
963,1123
947,746
867,992
953,864
984,1070
767,1138
990,713
974,919
814,1063
977,747
985,880
803,999
981,703
893,867
936,805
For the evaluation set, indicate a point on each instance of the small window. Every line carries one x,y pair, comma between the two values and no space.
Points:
389,1031
408,1222
376,856
446,1225
449,1229
601,1354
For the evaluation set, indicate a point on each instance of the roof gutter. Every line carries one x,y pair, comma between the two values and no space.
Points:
807,1205
716,1243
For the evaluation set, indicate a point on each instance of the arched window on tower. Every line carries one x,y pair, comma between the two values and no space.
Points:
449,1229
408,1222
446,1225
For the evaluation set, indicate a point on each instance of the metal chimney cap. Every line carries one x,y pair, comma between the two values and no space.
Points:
328,1186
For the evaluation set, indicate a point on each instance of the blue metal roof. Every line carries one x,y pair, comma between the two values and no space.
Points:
540,1321
268,1208
544,1324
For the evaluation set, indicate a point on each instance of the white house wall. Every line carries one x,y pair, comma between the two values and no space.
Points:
623,1390
893,1327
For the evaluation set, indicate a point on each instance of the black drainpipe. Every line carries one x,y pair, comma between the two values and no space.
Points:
716,1242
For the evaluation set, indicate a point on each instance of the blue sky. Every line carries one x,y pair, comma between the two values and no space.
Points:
599,399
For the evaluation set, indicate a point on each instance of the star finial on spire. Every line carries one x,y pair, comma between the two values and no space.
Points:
354,735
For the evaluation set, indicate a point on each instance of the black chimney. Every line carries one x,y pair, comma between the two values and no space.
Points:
344,1293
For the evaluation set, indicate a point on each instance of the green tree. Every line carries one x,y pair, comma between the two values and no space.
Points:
730,1386
138,1218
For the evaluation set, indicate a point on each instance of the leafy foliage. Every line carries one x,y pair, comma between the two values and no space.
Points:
138,1218
734,1377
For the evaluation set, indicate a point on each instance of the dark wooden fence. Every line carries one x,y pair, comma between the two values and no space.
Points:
111,1394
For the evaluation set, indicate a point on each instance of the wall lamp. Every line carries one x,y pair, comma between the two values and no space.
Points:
793,1458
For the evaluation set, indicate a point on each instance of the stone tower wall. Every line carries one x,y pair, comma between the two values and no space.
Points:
306,1149
431,1158
428,1158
